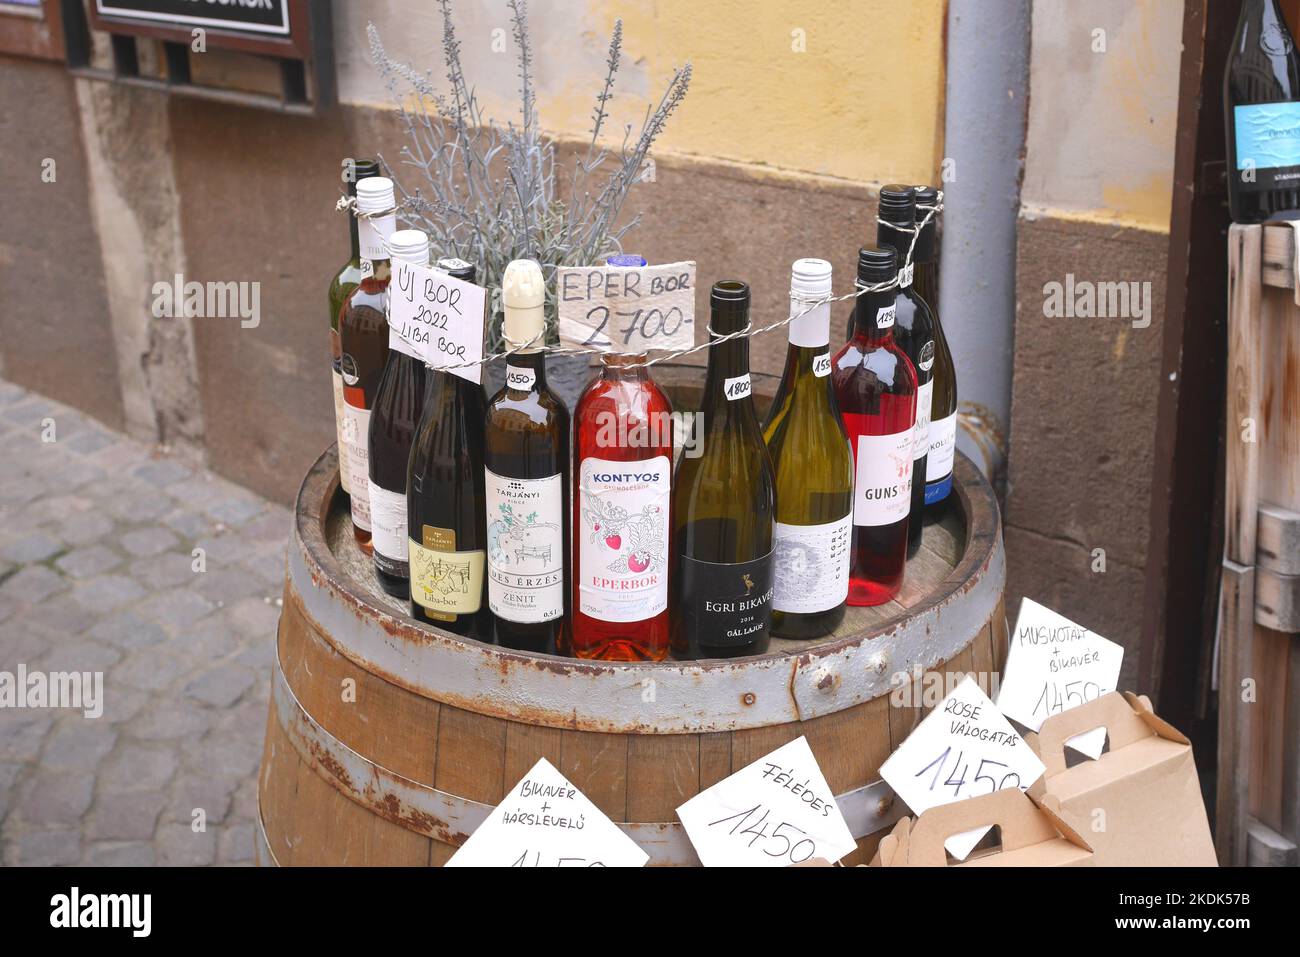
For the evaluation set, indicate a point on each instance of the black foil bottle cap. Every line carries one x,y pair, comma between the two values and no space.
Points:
898,204
925,243
877,264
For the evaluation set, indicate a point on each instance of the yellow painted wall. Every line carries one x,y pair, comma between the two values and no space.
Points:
862,102
1100,143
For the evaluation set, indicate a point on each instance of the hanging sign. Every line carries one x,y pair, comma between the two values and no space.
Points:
627,309
439,317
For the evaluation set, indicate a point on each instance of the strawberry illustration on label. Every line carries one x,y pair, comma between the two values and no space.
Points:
614,541
638,562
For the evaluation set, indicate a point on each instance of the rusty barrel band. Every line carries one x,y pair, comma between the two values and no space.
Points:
450,819
648,697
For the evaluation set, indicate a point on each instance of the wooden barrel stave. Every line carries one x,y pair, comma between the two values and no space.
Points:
312,815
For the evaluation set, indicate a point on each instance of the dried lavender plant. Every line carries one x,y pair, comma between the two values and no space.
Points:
487,194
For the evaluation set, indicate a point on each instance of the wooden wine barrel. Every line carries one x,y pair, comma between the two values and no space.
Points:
388,741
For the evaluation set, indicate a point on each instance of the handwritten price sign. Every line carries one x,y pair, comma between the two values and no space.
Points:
964,748
547,822
627,309
436,318
775,812
1055,665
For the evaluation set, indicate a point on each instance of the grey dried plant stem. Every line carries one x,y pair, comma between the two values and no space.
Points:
486,193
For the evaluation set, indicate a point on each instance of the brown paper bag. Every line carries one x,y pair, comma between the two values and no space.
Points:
1140,803
1032,835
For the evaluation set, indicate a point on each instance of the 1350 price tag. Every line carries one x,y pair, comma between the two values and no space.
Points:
437,318
627,309
963,748
1056,665
775,812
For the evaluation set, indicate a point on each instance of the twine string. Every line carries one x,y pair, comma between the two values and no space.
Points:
716,339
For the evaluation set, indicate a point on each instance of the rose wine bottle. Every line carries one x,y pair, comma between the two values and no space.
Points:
398,405
1261,105
527,478
875,385
724,503
623,455
363,339
943,393
341,286
814,471
445,520
914,334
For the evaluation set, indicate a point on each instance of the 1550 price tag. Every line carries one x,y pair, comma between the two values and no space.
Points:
627,309
775,812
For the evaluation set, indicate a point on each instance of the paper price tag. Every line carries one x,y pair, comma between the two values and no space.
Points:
1055,665
439,316
963,748
627,309
547,822
775,812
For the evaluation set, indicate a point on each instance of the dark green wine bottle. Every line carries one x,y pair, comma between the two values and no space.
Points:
724,504
943,393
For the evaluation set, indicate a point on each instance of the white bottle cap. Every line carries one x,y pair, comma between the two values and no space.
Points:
375,194
810,278
409,245
523,293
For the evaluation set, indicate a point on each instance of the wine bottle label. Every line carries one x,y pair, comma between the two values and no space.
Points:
445,582
943,443
921,433
1268,146
812,566
525,538
882,487
737,388
726,605
356,438
925,358
340,412
373,236
822,365
520,377
388,528
623,538
885,316
905,276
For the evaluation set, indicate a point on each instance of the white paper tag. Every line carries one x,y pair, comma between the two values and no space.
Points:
885,316
772,813
737,388
822,365
440,316
1055,665
520,377
547,822
627,309
963,748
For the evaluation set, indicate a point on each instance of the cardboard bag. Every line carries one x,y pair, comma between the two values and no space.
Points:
1033,835
1139,803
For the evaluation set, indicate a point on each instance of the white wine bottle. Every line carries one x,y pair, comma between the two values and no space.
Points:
724,501
814,471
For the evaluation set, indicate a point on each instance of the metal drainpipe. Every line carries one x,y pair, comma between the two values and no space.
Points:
984,139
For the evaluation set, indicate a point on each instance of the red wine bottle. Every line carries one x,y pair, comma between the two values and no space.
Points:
875,385
623,462
398,406
914,334
1261,105
341,286
363,338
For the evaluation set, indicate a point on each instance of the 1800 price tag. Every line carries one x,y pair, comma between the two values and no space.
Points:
775,812
627,309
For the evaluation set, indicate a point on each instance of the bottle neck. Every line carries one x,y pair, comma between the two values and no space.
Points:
724,385
926,284
900,238
354,233
873,318
624,367
534,362
811,331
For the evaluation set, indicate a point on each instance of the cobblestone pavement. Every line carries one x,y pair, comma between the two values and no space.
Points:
99,573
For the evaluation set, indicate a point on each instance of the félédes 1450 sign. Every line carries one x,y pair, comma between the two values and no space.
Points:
244,16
